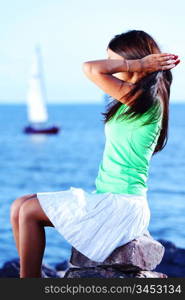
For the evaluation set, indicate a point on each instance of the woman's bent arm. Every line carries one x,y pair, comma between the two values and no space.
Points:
100,71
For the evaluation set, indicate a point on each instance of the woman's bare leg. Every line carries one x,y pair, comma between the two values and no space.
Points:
14,216
32,220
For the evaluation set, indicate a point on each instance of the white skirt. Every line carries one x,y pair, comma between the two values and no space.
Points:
96,224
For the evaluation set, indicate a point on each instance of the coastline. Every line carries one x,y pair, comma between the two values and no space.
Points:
172,264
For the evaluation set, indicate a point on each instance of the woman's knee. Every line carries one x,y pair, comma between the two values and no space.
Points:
31,211
16,205
28,210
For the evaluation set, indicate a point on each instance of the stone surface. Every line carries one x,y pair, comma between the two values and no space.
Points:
110,272
62,265
12,269
143,253
173,262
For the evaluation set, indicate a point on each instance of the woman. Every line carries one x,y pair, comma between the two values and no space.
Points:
137,76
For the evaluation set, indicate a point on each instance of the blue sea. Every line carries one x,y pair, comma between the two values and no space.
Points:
30,164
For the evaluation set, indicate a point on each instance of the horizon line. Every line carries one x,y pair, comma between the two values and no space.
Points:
4,102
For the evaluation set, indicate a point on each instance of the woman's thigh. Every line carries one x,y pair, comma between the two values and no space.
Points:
32,209
16,205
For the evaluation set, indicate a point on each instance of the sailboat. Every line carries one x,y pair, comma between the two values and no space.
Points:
36,100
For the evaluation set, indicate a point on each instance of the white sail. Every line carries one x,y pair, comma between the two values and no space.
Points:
37,111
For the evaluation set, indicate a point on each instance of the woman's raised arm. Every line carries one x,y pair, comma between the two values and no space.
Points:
101,71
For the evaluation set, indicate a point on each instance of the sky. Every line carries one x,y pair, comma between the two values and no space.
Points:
71,32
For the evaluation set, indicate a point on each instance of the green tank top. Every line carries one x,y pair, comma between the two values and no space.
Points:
128,149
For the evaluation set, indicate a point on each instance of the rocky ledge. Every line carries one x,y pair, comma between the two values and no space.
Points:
143,257
137,258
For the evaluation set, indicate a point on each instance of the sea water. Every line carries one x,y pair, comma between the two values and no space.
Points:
31,164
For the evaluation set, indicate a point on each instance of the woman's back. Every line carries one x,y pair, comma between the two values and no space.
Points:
128,150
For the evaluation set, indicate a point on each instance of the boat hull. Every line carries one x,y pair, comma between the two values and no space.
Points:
49,130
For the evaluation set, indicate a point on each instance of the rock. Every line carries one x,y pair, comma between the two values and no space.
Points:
173,262
62,268
143,253
61,274
170,250
149,274
12,269
62,265
179,258
48,272
109,272
173,254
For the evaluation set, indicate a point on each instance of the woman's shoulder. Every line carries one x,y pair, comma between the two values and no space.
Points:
152,116
155,113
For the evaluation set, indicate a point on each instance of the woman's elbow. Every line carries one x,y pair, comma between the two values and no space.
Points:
87,67
91,68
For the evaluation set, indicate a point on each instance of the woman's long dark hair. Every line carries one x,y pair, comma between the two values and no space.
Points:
155,87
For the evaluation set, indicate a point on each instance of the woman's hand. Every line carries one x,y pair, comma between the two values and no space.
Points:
157,62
